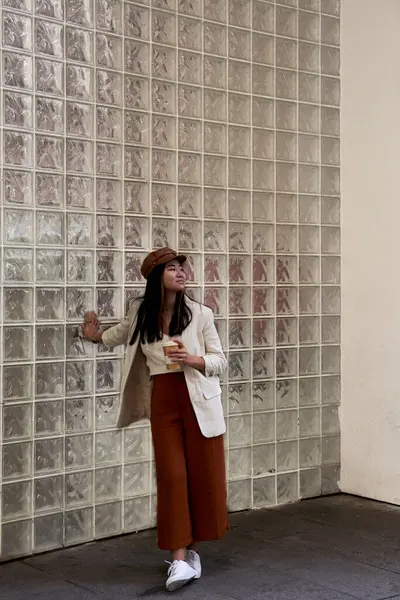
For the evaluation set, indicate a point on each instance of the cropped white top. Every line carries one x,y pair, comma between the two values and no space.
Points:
155,359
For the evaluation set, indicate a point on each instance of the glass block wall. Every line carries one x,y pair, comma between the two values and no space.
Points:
207,125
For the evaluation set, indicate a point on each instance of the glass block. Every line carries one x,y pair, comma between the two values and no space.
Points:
189,235
330,60
78,488
48,532
263,111
215,10
330,151
330,420
286,424
17,460
309,362
286,21
49,379
263,17
263,205
163,27
108,447
164,62
239,465
50,154
330,360
107,375
308,213
286,53
163,131
189,168
109,230
109,268
263,301
239,173
16,538
264,428
18,149
189,201
239,430
17,421
109,160
79,378
215,298
263,460
50,303
190,134
109,52
16,500
189,101
330,450
79,192
78,452
286,269
214,173
18,226
287,456
309,118
286,208
263,49
330,91
214,72
17,343
106,411
50,266
330,390
239,111
263,396
79,80
239,76
263,175
136,92
108,484
136,196
309,239
109,123
286,362
286,84
263,269
18,264
330,240
286,331
189,33
309,88
17,187
78,526
309,393
286,393
330,269
287,488
330,479
286,177
18,110
50,115
17,31
309,26
79,301
263,363
49,455
263,332
18,70
49,38
309,269
79,45
215,38
108,520
239,495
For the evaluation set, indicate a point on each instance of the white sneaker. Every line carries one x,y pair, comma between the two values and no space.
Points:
179,574
193,560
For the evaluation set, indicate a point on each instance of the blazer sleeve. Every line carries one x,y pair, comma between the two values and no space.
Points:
214,358
118,334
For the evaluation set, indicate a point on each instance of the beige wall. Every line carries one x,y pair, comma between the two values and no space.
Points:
370,133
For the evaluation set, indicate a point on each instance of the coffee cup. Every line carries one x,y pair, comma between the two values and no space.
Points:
168,347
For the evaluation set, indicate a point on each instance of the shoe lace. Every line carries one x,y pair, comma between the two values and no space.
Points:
172,566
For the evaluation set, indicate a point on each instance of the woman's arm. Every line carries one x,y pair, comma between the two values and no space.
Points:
114,336
213,362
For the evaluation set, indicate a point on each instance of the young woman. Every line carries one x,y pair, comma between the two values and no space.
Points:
186,416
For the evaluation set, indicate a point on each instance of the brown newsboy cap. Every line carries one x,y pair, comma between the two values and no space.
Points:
159,257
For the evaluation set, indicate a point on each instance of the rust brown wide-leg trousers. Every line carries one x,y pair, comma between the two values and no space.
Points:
190,468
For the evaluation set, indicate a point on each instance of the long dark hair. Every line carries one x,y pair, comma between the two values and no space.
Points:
149,326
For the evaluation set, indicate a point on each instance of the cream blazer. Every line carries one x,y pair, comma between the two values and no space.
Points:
200,338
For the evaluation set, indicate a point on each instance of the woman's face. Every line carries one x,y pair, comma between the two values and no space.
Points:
174,277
